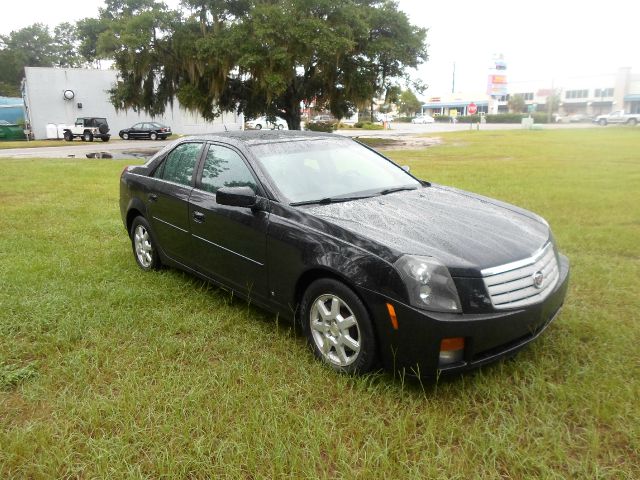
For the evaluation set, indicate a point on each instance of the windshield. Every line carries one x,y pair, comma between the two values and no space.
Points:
319,169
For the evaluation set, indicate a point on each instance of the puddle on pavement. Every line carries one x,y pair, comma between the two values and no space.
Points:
141,153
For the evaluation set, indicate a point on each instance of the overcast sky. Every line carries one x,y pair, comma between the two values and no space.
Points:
541,40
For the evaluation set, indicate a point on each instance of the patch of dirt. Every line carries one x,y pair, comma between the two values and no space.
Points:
400,143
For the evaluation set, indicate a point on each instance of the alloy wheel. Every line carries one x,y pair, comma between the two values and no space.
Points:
143,247
335,330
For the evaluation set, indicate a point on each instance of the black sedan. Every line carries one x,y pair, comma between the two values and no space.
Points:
379,267
150,130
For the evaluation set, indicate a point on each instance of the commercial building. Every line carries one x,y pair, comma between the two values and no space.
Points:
60,95
589,95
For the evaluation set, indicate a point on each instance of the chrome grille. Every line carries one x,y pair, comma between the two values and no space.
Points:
512,285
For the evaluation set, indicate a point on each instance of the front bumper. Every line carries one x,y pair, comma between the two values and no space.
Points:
415,345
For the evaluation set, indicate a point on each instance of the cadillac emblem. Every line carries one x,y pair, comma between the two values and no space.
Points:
538,278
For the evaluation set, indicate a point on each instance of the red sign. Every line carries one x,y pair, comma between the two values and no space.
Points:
472,108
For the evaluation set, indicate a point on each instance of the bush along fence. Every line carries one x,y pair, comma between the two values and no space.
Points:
498,118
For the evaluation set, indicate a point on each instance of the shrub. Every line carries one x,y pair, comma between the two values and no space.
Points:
442,118
468,118
404,119
368,126
322,126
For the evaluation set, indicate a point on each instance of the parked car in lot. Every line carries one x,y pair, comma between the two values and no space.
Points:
422,119
324,118
262,122
618,117
574,118
378,266
87,128
150,130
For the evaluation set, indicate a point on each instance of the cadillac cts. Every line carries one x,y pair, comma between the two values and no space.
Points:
379,267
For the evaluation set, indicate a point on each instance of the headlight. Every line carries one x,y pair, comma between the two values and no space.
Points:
429,284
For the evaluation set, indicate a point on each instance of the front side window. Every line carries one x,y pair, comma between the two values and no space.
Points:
223,167
179,164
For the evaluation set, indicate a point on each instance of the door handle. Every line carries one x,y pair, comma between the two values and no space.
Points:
198,216
152,197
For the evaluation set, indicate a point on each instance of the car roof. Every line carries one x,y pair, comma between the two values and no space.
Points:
261,137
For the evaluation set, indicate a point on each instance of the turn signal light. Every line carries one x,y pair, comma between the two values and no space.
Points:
455,343
451,350
392,316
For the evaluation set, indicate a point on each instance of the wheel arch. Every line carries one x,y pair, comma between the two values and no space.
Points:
134,210
319,272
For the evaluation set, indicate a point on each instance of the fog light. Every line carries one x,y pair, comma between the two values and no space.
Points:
451,350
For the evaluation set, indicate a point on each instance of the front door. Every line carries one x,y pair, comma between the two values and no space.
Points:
168,199
229,243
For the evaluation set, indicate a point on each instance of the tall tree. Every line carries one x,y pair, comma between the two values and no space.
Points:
408,103
65,46
88,30
516,103
257,56
30,46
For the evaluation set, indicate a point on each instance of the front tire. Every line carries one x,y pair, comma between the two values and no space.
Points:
125,136
258,127
602,122
337,326
144,249
68,136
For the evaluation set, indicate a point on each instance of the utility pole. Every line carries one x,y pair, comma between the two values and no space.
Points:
453,83
551,100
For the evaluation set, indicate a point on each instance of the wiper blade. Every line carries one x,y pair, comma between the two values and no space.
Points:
328,200
396,189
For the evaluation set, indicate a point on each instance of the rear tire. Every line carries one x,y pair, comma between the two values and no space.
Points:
337,326
258,127
153,136
105,139
633,122
125,136
143,245
88,137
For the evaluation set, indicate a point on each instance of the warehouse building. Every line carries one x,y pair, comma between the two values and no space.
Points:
57,96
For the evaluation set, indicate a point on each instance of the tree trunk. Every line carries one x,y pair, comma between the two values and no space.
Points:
293,115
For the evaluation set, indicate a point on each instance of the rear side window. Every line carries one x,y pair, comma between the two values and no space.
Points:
179,165
225,168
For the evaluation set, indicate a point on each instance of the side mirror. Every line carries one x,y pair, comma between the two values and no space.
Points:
236,196
406,168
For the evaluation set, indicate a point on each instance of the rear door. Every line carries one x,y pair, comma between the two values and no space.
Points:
168,199
229,243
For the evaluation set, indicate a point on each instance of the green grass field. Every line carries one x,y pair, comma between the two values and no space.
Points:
109,372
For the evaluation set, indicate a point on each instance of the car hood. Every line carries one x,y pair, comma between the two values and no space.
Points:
467,232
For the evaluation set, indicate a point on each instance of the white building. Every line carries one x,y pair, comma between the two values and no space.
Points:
45,103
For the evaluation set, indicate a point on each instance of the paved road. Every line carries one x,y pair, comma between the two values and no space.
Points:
78,149
123,149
